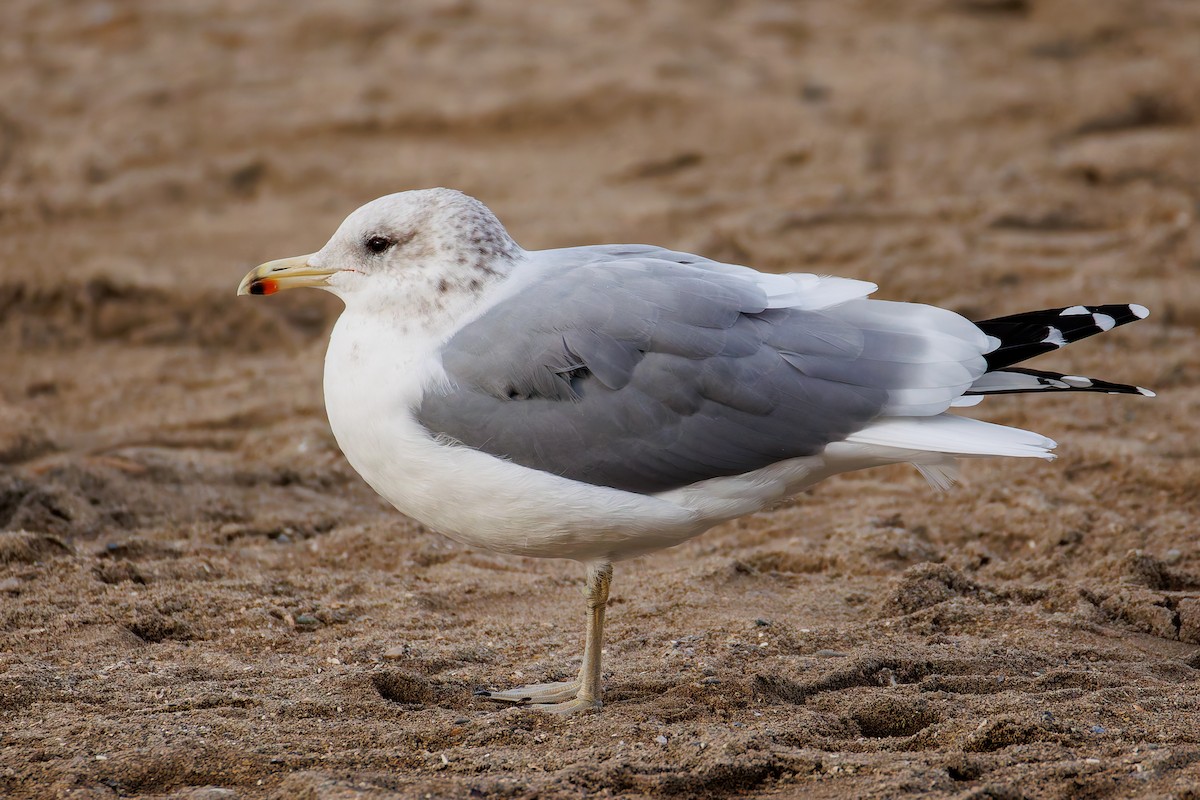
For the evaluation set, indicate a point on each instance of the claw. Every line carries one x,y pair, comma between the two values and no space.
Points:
576,706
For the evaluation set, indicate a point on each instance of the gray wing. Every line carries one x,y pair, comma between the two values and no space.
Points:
645,374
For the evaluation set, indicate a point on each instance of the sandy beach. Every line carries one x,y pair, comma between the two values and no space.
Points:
200,599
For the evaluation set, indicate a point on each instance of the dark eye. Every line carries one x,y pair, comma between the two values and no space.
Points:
377,244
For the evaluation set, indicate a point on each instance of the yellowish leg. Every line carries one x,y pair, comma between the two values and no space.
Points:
568,697
591,683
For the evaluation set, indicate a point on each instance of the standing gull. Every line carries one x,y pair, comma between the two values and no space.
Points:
598,403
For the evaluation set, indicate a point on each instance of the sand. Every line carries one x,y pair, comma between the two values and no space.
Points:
200,599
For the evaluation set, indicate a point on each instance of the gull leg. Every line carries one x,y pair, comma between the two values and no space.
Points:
599,579
568,697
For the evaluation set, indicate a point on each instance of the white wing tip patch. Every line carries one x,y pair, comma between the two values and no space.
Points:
1104,322
1073,311
1055,338
1145,392
1141,312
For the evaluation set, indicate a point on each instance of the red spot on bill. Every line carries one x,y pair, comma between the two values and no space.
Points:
264,286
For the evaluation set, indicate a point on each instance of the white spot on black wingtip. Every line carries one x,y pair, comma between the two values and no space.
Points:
1104,322
1145,392
1077,381
1141,312
993,343
1073,311
1055,337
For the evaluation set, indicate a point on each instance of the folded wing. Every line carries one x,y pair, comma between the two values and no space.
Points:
646,370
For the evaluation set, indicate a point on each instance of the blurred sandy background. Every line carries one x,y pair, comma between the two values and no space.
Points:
199,599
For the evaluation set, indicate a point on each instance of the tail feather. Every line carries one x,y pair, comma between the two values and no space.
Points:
949,435
1023,336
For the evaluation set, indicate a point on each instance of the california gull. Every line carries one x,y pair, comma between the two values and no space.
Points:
597,403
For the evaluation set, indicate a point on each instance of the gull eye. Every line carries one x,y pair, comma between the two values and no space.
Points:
377,244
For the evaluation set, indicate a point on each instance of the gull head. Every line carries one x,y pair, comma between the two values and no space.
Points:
399,250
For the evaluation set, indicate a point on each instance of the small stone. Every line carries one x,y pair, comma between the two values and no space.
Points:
762,623
829,654
397,651
660,739
210,793
307,619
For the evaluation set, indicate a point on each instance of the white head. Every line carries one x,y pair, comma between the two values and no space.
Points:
412,253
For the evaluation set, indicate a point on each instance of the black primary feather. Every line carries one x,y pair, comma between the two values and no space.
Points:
1016,380
1023,336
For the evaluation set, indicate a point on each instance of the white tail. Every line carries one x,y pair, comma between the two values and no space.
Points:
953,436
